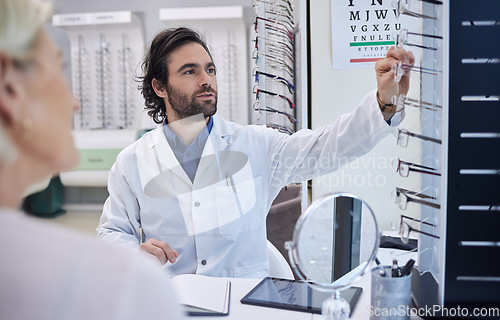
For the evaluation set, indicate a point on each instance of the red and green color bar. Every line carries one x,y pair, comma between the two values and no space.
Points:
369,44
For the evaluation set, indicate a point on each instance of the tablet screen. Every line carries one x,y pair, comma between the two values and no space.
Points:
294,295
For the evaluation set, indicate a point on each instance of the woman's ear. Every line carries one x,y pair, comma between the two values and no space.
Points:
159,88
10,90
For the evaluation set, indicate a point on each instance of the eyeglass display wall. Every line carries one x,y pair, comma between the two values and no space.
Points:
457,141
106,48
273,65
105,51
459,243
224,31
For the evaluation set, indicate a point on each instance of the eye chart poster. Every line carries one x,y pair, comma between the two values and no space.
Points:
363,31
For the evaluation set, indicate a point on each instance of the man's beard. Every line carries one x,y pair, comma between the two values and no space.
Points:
185,107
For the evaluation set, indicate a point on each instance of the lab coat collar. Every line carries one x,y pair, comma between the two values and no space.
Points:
217,141
165,155
221,131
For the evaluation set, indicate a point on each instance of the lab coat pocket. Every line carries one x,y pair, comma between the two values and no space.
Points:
234,205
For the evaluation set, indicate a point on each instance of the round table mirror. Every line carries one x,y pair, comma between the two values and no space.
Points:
334,242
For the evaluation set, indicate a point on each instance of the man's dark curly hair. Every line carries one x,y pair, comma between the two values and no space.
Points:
154,66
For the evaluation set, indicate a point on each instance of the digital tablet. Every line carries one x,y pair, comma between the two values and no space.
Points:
294,295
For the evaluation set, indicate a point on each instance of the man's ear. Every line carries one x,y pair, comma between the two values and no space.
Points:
159,88
10,90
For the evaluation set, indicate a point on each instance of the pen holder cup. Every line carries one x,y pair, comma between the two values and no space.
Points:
390,296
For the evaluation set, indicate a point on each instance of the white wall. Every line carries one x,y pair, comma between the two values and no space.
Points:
337,92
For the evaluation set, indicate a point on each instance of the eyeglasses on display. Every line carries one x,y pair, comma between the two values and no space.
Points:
405,228
403,196
403,135
401,101
404,168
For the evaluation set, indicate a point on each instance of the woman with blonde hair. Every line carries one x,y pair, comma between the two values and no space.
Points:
47,272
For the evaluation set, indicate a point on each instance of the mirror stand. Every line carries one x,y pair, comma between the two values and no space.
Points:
335,307
334,242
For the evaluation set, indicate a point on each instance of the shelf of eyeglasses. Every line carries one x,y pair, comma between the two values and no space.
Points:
401,39
404,196
405,7
290,87
290,117
401,101
405,167
403,135
404,69
280,128
405,229
275,15
259,91
284,5
274,62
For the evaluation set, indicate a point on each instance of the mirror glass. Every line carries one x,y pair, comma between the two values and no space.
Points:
334,241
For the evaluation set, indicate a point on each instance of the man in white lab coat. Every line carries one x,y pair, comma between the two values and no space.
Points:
196,190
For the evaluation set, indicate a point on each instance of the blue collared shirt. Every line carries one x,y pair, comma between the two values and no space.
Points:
188,156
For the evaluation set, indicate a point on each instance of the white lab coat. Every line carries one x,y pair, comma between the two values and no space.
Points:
217,223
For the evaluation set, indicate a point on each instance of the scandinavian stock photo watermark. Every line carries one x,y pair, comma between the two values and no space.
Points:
368,171
432,311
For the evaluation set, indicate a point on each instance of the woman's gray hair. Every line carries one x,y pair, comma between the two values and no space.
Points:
20,21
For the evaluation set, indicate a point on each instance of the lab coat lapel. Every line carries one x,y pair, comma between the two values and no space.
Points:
166,155
216,142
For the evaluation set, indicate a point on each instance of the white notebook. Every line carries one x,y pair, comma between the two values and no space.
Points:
203,295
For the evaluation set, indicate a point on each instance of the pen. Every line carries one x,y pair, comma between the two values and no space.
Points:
407,268
380,267
396,272
230,182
